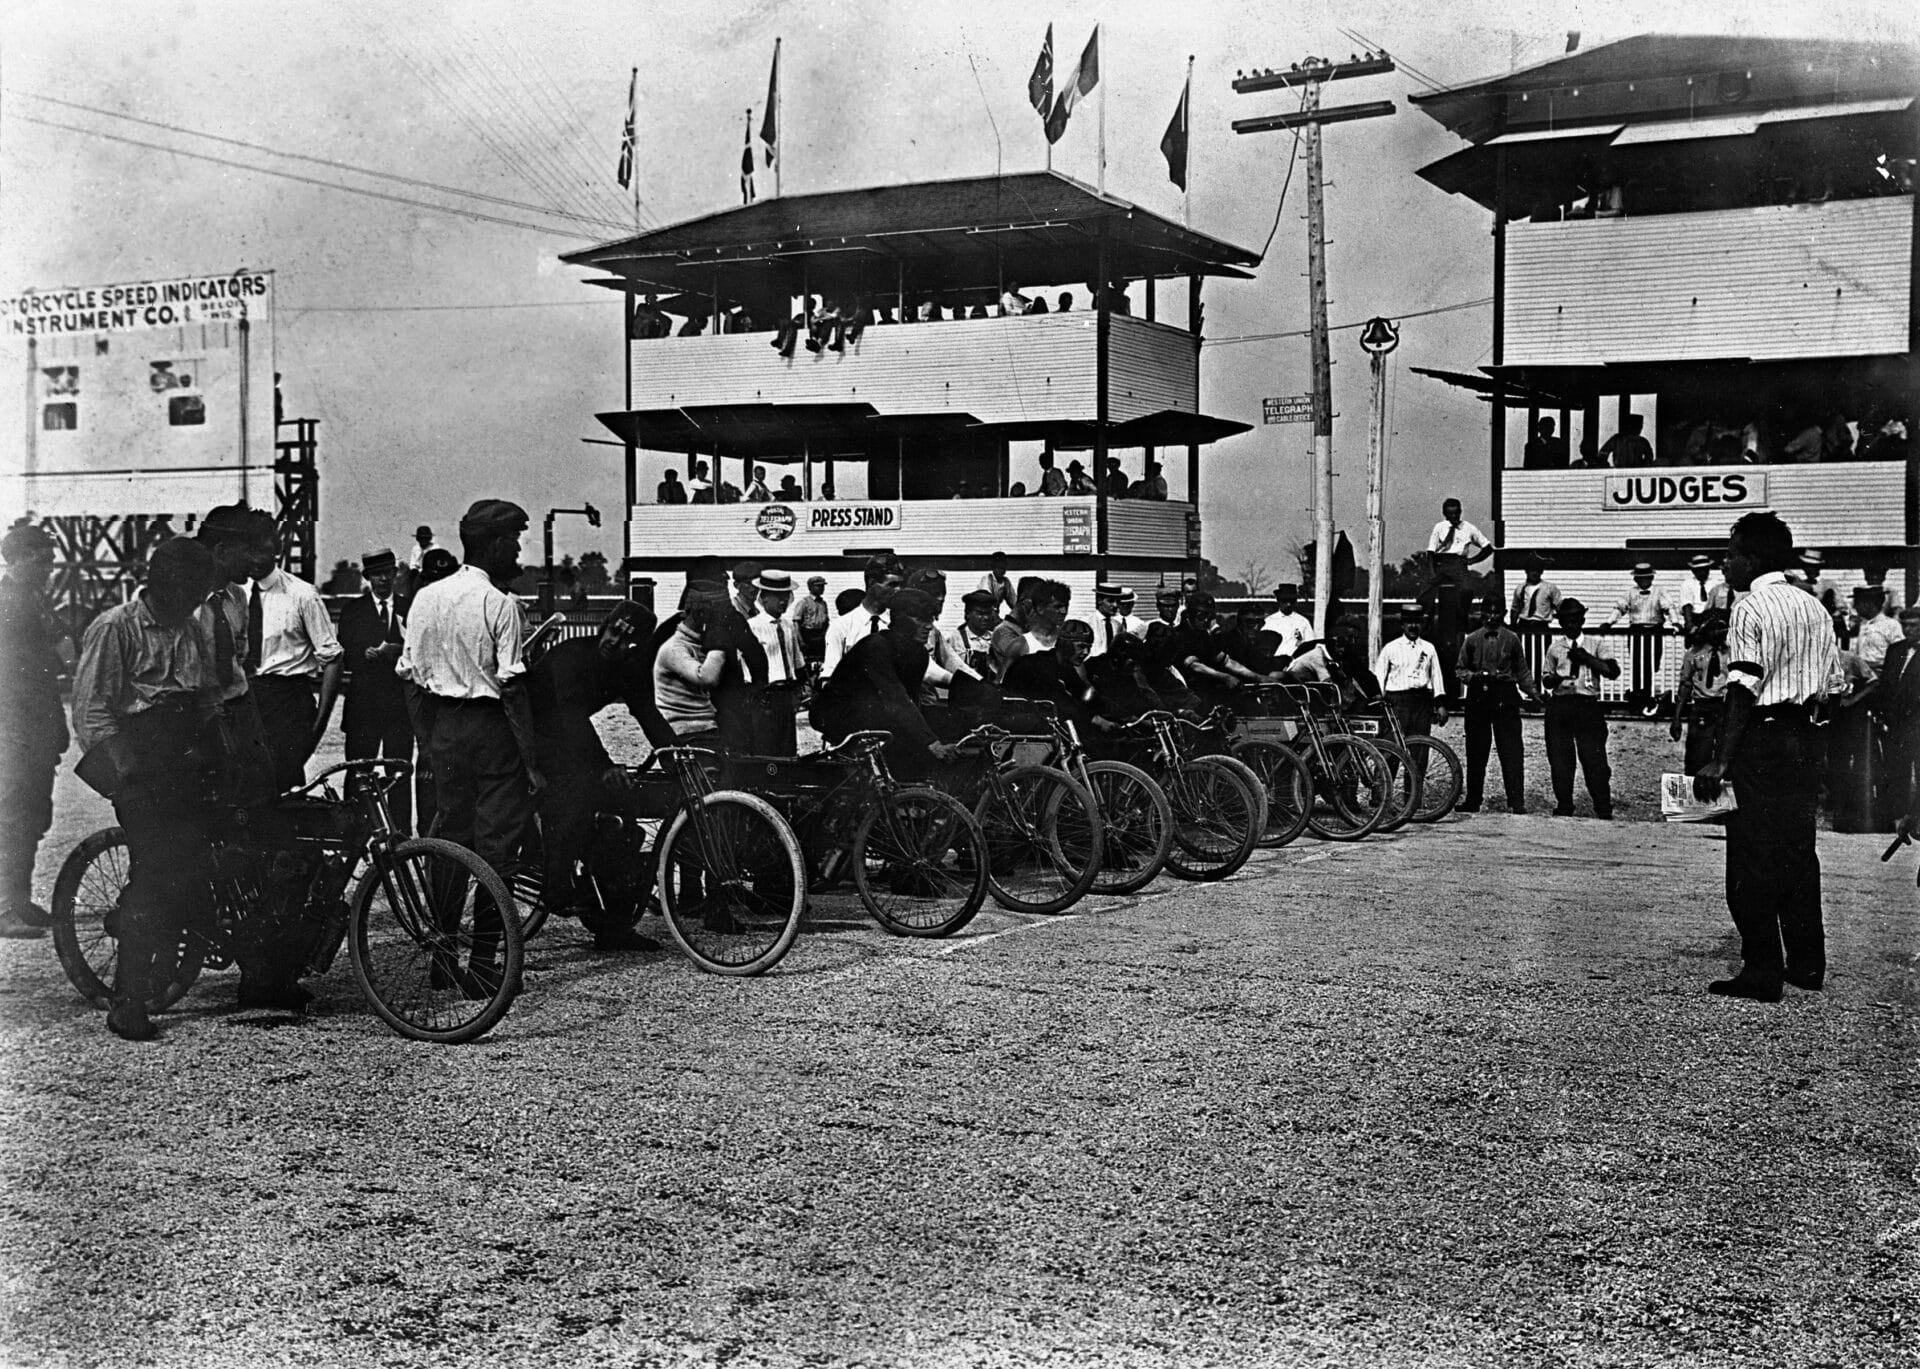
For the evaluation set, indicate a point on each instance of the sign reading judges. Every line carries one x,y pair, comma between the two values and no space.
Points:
1694,490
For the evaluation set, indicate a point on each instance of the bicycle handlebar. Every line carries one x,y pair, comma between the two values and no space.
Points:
400,768
856,746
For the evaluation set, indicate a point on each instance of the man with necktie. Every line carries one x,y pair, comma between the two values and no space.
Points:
884,575
1535,608
778,699
372,629
1107,622
1702,696
1453,546
229,532
1493,672
292,650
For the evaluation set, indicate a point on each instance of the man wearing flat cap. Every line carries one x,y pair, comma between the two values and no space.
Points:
1575,663
372,630
33,724
462,655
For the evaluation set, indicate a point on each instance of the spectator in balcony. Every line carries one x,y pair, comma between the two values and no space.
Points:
1645,611
757,491
789,491
699,488
1151,485
1116,479
1629,447
649,322
1038,305
1017,490
1012,302
1065,304
826,489
1702,594
789,332
670,490
1052,483
1077,480
1546,450
696,323
1889,442
1836,438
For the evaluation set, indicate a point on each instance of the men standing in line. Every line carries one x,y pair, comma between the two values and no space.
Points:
779,698
1702,696
462,653
1645,610
33,725
291,650
568,685
996,582
1410,678
1493,672
811,616
1784,662
1700,594
884,575
375,721
145,697
1576,727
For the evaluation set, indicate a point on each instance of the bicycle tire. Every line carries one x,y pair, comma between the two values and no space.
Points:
1351,792
1289,789
920,863
86,906
1403,793
435,941
1217,808
1043,841
734,909
1138,826
1440,778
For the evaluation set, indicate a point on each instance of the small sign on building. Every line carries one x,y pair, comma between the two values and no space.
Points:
1193,535
1076,530
1287,409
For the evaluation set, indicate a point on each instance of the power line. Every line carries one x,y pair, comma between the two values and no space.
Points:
317,161
1343,327
568,147
446,308
472,214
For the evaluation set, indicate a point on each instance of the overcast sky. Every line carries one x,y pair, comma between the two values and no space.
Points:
448,358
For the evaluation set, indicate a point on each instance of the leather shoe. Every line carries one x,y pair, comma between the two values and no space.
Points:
1563,812
1740,986
18,925
1812,982
1466,808
128,1020
289,997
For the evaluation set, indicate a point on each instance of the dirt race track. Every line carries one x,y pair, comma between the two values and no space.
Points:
1449,1097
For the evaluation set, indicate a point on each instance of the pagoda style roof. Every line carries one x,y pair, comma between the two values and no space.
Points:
975,235
1654,76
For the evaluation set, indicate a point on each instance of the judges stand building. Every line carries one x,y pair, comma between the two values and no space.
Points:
917,437
1709,242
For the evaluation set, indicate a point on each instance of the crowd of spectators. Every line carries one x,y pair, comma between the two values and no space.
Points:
1787,437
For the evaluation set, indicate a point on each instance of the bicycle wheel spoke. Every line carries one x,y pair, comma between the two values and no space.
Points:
732,883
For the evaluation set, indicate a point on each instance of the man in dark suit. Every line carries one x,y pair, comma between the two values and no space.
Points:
1896,703
372,628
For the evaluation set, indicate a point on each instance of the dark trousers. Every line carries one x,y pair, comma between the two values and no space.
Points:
170,760
288,712
1773,870
567,806
27,765
1895,797
1704,717
386,732
479,779
1493,719
1577,729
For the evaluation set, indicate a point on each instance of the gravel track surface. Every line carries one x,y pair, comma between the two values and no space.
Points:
1449,1097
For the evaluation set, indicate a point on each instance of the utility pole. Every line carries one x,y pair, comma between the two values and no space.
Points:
1379,338
1309,75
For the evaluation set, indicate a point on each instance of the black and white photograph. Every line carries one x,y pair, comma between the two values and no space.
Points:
812,683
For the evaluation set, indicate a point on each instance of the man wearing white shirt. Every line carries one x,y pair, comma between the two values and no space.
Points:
1701,593
1878,629
884,576
423,543
1291,628
1645,610
1136,626
778,699
1576,729
291,650
1453,536
1408,669
1107,622
1452,547
997,582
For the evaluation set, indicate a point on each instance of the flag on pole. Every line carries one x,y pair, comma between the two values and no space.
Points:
1084,77
770,125
1173,143
1040,84
626,138
746,160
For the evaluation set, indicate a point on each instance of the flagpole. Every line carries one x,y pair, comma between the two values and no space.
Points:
1101,58
779,120
636,152
1186,128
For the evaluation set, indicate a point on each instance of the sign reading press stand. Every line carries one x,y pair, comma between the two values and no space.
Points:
1694,490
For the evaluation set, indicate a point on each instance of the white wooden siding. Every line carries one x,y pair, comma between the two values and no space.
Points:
129,492
1842,503
920,529
1000,370
1769,283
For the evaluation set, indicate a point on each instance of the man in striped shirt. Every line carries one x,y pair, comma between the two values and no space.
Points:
1782,661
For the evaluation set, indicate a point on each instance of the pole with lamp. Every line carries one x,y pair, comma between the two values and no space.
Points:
592,515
